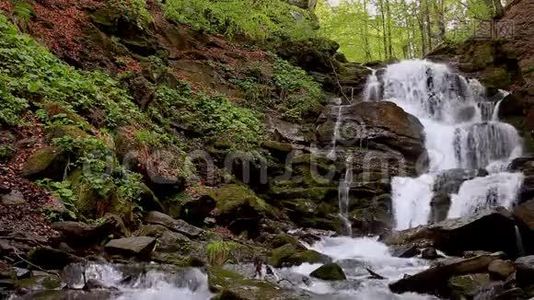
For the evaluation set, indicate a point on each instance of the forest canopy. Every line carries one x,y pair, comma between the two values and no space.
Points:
371,30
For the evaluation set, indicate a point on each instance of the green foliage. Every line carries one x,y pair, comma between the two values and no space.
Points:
31,74
210,116
100,169
6,152
219,252
62,190
11,106
298,92
22,10
258,20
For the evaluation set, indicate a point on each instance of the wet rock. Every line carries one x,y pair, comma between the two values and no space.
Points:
501,269
231,285
49,258
489,230
48,162
288,255
524,215
429,253
179,226
405,251
434,280
525,271
382,125
14,198
467,285
330,272
141,246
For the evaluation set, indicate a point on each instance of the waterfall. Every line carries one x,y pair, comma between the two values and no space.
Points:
335,136
519,242
483,192
344,195
372,87
461,129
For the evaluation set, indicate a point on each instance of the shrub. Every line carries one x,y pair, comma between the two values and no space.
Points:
258,20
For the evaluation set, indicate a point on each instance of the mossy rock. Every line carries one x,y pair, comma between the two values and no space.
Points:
467,285
496,77
282,239
288,255
240,208
230,197
316,194
47,162
330,272
93,204
58,131
231,285
478,56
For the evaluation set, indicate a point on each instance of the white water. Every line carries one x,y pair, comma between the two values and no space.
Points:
344,196
372,87
152,284
354,255
461,131
332,154
484,192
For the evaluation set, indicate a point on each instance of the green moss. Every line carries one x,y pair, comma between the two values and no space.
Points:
231,285
331,271
289,255
45,162
496,78
232,196
313,193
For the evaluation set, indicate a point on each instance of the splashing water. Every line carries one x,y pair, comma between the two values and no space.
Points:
146,284
484,192
461,131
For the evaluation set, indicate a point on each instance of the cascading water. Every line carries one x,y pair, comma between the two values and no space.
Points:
461,130
339,110
344,196
372,87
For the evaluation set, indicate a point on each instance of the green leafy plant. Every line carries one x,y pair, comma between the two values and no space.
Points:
263,20
219,252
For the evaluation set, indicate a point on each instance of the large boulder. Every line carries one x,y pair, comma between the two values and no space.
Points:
435,279
467,286
525,271
82,234
180,226
330,272
490,230
140,246
524,215
380,125
48,162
